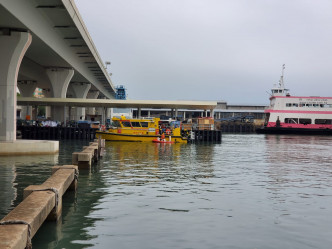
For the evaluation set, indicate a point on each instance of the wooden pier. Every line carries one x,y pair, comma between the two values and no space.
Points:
57,133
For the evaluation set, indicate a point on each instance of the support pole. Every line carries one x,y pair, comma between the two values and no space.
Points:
139,113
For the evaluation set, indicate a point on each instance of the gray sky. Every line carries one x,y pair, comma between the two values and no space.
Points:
229,50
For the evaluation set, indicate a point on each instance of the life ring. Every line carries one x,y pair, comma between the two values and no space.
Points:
168,131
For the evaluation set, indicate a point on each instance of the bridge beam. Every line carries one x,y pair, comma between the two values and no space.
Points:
13,45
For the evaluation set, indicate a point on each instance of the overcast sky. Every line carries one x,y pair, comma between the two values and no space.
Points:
230,50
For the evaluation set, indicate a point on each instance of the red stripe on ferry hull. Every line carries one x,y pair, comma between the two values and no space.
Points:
300,126
294,111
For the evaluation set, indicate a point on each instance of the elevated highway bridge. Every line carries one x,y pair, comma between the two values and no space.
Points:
45,44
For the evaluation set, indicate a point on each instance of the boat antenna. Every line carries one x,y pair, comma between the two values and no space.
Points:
281,81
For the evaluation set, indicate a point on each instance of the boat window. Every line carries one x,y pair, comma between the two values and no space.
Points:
305,121
323,121
125,123
135,124
288,104
291,120
116,123
315,105
280,91
144,124
295,104
308,105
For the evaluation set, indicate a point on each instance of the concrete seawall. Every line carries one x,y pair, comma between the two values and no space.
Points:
29,147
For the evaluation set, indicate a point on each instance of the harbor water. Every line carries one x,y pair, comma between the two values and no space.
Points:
249,191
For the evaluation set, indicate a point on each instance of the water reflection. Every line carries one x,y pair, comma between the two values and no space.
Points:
17,172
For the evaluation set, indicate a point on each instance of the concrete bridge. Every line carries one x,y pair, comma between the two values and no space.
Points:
45,44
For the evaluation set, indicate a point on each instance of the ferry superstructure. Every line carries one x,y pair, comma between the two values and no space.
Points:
297,114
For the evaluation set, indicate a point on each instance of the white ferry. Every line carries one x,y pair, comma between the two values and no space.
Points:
297,115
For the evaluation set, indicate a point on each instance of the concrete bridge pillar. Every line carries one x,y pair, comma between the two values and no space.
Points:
81,91
92,95
13,45
100,111
27,88
59,78
47,94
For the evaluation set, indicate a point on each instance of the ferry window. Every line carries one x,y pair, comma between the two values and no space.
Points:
305,121
288,104
144,124
291,120
323,121
308,105
280,91
126,124
315,105
135,124
275,91
295,105
301,105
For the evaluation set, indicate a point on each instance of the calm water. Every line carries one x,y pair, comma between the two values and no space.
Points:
250,191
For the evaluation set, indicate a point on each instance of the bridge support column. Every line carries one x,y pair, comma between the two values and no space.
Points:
81,91
13,45
59,78
47,94
92,95
27,88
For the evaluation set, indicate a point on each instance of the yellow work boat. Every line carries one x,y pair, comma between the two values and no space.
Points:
139,130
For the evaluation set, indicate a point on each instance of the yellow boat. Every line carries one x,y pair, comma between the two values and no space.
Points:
139,130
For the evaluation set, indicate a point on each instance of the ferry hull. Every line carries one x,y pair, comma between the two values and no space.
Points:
110,136
300,131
